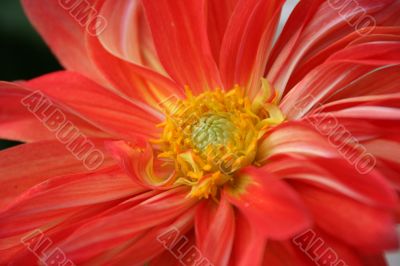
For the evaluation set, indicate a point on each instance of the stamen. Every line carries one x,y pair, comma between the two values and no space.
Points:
211,136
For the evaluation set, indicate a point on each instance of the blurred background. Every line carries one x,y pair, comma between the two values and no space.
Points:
24,55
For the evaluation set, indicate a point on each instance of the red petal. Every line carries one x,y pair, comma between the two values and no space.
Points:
270,205
319,85
284,253
18,123
378,82
347,219
215,227
67,37
219,14
128,35
122,118
140,250
314,25
376,34
61,196
385,53
249,245
180,35
247,42
133,79
26,165
311,157
341,69
139,162
111,230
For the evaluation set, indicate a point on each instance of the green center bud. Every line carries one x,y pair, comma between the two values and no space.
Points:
214,130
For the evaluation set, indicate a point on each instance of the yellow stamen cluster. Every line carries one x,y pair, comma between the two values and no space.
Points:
210,136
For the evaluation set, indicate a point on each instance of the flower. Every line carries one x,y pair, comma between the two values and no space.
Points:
210,130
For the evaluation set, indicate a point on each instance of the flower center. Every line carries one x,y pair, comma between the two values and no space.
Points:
209,137
212,130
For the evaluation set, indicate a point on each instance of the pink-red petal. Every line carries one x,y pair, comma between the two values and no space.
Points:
269,204
180,35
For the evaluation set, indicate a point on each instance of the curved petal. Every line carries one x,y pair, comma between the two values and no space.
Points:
169,237
17,122
128,35
219,14
66,37
376,33
132,80
113,114
296,150
18,250
215,230
282,253
318,85
109,231
317,247
27,165
249,245
180,36
379,82
247,42
342,68
269,204
387,53
61,196
386,150
139,162
314,25
347,219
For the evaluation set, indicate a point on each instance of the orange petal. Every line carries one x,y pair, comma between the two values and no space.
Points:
215,230
247,42
120,117
269,204
180,36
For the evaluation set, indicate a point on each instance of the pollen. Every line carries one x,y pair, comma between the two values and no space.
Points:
209,137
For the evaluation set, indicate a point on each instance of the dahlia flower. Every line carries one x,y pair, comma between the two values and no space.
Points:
183,131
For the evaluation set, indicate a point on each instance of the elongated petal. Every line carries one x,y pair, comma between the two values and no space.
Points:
319,85
268,203
108,231
27,165
18,123
59,197
282,253
247,42
141,249
249,245
314,25
215,227
313,158
139,162
133,80
376,33
65,38
18,250
381,81
347,219
387,53
127,35
342,68
180,36
122,118
219,15
314,246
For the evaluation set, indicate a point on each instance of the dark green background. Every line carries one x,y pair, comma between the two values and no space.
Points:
23,54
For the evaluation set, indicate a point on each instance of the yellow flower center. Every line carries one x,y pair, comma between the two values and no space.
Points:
210,136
